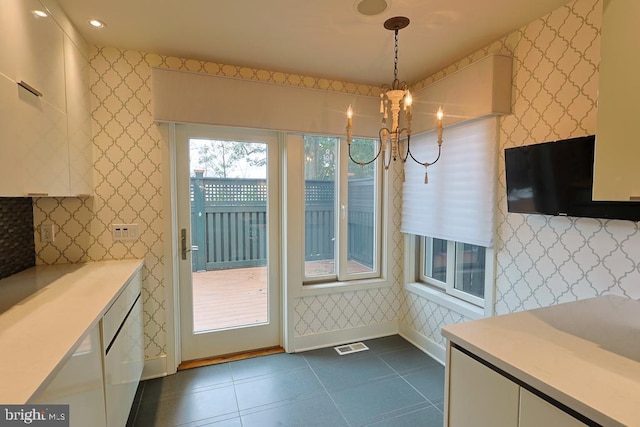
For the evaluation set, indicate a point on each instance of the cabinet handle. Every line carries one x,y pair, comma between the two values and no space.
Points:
30,88
634,198
37,194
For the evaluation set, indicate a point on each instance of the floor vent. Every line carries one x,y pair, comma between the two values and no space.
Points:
351,348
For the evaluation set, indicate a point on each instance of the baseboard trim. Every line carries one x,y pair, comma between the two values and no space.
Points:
344,336
424,343
155,368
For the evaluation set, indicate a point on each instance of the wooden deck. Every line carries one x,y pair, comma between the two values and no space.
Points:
238,297
228,298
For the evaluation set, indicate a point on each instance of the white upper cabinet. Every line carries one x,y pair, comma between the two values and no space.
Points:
78,120
31,50
44,100
616,173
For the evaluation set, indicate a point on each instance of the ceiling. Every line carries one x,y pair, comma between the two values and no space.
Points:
325,38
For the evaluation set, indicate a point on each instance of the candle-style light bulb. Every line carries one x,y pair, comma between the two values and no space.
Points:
408,100
349,123
440,115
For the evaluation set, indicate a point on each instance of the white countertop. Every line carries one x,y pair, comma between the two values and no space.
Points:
45,313
584,354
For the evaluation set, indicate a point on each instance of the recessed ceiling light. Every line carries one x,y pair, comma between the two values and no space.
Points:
39,13
96,23
371,7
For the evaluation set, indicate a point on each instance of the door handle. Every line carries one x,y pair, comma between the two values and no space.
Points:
183,243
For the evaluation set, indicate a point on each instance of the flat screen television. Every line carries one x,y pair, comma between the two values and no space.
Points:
556,178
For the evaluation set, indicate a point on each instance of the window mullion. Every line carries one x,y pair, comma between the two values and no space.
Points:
451,266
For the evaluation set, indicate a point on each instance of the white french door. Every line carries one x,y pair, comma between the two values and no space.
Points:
228,218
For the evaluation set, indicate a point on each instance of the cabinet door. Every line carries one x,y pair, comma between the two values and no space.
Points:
479,396
79,384
535,412
33,139
31,49
616,174
79,120
42,132
33,143
13,153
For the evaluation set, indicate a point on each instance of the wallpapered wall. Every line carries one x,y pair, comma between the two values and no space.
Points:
128,189
543,260
540,260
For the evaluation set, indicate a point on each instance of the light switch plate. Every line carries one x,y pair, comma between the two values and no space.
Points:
125,232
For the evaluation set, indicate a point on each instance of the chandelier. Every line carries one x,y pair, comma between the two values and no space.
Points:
395,99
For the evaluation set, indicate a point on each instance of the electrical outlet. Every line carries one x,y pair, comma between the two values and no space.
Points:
125,232
47,233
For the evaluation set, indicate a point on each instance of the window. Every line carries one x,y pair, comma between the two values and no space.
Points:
342,211
459,269
457,205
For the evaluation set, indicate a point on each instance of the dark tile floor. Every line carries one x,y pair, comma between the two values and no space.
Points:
391,384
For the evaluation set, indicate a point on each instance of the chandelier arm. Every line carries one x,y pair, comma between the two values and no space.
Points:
365,163
425,164
386,161
406,154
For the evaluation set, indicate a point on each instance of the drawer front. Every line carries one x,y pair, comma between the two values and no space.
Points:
123,368
118,311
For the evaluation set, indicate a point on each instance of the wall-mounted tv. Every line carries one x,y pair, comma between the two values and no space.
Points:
556,178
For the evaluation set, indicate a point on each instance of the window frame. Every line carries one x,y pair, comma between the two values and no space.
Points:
448,286
341,222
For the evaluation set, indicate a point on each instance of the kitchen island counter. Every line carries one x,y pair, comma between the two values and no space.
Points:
584,354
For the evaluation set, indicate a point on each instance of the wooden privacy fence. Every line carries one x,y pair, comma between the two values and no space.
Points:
229,222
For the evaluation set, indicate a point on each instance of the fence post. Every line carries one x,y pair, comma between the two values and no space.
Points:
198,222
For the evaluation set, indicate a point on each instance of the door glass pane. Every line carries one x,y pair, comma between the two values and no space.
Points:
361,228
228,233
435,259
470,263
320,204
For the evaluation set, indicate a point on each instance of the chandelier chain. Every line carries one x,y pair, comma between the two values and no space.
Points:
395,62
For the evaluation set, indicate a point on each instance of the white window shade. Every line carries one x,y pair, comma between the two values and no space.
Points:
458,202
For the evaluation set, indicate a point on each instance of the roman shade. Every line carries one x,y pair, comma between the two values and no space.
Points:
186,97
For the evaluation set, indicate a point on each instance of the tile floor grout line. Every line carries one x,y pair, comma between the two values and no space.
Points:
235,393
411,385
327,391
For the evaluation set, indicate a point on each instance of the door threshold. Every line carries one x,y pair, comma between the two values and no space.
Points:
189,364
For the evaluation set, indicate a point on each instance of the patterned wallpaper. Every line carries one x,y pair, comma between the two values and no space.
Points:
540,260
17,250
128,180
544,260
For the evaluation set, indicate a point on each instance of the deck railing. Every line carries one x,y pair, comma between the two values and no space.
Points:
229,217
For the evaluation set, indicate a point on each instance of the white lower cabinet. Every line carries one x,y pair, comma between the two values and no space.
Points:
535,412
100,380
478,396
122,337
79,384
